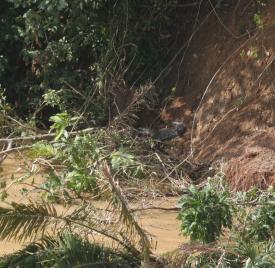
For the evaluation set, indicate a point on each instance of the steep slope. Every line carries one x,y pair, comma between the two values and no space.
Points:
227,80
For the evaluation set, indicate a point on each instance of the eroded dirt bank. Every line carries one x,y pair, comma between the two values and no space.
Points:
226,95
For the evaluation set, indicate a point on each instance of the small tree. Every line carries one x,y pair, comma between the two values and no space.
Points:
204,213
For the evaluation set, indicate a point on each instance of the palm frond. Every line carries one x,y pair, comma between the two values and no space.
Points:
29,221
68,250
23,221
126,216
28,256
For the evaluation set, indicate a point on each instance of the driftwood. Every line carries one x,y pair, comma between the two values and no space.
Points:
9,142
48,136
8,148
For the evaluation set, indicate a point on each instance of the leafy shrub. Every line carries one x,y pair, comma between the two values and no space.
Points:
257,255
60,123
204,213
262,222
41,149
80,182
82,157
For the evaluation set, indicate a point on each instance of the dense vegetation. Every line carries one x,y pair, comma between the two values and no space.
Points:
71,56
231,229
66,69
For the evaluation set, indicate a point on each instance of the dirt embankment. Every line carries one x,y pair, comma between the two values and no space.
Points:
226,83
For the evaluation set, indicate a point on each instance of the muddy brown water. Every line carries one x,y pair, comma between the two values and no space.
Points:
162,225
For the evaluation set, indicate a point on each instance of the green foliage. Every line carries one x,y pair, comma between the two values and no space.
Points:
250,241
51,56
204,213
67,250
60,123
61,55
41,149
262,222
4,106
82,157
257,255
53,98
257,18
80,182
53,186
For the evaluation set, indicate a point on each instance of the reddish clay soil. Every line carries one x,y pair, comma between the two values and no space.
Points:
227,82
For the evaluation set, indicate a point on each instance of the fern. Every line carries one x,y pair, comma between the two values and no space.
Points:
68,250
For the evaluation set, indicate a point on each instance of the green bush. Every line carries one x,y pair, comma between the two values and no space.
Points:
262,222
204,213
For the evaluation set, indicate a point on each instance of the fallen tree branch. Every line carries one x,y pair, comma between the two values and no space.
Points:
126,215
47,136
16,149
4,155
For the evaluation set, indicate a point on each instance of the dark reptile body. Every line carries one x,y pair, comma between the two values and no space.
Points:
177,129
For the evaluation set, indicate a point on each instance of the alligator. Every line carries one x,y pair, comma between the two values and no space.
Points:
175,130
